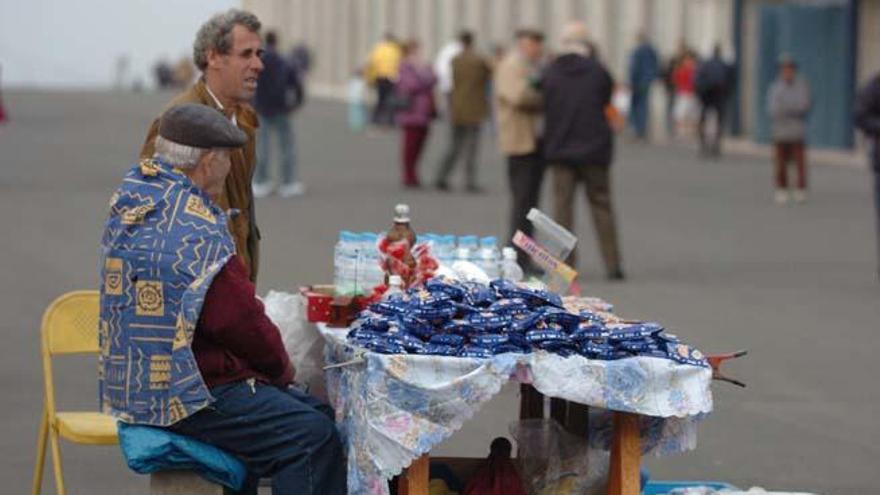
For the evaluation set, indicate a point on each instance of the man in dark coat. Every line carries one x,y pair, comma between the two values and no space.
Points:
867,117
643,69
713,81
578,140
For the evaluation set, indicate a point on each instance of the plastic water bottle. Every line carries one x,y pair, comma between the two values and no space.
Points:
395,286
344,263
469,244
445,249
510,269
366,258
490,257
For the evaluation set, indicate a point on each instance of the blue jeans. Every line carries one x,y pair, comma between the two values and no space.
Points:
281,126
287,435
638,113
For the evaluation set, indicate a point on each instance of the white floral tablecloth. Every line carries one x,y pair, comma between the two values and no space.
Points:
394,408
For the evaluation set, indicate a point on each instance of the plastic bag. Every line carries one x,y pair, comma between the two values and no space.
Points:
302,341
555,462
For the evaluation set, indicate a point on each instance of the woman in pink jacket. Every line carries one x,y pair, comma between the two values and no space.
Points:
414,99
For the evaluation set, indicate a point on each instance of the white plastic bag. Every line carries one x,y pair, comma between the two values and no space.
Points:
301,339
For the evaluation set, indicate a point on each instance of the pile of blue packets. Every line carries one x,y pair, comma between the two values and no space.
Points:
468,319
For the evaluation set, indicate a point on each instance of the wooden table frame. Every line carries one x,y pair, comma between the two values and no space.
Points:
623,475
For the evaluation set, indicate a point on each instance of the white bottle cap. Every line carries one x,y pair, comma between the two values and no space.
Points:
508,253
401,213
395,281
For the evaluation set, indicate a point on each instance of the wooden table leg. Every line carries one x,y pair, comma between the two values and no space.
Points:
414,480
626,456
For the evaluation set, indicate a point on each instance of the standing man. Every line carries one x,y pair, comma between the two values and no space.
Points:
518,107
279,93
228,53
578,141
381,71
518,110
643,69
469,102
712,82
788,103
867,117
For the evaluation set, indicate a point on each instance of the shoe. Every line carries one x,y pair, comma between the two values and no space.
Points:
799,195
441,186
291,190
263,189
616,276
780,196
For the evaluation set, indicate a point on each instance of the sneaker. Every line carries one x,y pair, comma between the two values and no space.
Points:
799,196
263,189
780,196
291,190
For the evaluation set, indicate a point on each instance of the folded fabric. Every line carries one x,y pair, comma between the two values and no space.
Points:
148,449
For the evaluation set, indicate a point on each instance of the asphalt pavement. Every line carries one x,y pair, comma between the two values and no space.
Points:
705,249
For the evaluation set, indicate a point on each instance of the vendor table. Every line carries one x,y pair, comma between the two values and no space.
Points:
394,408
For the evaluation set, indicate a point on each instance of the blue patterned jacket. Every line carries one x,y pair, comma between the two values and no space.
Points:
163,243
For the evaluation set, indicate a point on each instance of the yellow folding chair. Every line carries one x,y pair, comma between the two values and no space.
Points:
70,326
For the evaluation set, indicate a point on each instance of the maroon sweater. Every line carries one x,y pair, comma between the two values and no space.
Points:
234,339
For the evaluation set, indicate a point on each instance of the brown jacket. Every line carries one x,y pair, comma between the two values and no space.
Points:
517,106
470,79
238,194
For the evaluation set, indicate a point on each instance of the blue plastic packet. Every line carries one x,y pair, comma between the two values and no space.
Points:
588,347
640,346
383,346
685,354
590,331
436,313
451,339
362,334
511,307
410,342
473,351
422,298
507,348
591,317
633,331
390,307
441,350
465,309
519,339
460,327
477,294
525,322
489,340
568,321
536,336
446,286
415,326
562,348
504,288
488,321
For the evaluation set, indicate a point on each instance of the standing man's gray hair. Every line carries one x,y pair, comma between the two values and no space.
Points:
216,34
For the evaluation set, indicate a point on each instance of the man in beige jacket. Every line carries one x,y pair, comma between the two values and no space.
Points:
518,112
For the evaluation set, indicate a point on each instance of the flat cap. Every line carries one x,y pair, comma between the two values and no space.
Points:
200,126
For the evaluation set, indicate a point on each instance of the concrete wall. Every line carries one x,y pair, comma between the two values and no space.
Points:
869,40
341,32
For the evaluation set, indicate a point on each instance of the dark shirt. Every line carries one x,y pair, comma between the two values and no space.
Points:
867,115
713,80
279,88
576,91
234,339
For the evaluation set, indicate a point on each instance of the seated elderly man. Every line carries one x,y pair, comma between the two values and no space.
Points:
185,343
